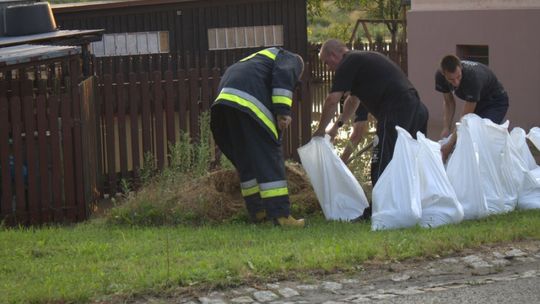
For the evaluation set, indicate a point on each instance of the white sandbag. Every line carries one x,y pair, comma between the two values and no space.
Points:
340,195
464,174
511,168
534,136
439,202
396,196
529,191
519,139
529,195
490,139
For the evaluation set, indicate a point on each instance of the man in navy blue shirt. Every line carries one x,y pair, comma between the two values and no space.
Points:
474,83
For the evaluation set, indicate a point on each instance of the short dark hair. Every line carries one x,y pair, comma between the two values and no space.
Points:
449,63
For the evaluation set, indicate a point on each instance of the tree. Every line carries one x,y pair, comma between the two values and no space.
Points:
385,9
377,9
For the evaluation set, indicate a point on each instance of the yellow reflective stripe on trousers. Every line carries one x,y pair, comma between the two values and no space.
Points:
265,52
274,192
250,191
273,189
248,104
282,100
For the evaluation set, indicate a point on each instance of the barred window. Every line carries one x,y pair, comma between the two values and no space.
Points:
137,43
478,53
245,37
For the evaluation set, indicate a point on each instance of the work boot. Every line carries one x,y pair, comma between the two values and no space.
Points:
289,221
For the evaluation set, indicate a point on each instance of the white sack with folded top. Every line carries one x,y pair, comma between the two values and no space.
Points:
340,195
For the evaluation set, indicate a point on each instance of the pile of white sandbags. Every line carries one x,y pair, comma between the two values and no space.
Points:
490,171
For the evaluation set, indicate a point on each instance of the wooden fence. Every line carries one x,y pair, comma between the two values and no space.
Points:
143,113
42,145
64,141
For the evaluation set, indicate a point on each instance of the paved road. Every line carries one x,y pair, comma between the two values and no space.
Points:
499,274
524,290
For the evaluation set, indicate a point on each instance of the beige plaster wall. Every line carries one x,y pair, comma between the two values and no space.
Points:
473,4
514,56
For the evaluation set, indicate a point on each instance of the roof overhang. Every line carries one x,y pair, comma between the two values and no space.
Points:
76,37
26,53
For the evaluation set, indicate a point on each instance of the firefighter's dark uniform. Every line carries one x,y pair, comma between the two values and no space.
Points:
252,92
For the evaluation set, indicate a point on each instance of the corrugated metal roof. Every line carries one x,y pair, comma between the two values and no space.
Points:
30,52
7,40
96,5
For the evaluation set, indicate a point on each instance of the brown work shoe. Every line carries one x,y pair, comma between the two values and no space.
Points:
289,221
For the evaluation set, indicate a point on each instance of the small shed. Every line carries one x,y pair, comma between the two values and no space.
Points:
203,28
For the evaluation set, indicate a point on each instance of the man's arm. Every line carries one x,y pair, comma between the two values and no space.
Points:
359,129
328,112
448,114
447,148
349,108
469,107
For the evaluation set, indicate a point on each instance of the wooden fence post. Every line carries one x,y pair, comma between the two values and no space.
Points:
20,206
146,115
194,104
6,210
158,117
31,182
183,100
169,108
121,122
68,162
134,120
109,132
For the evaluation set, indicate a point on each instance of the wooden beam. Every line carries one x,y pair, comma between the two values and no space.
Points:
368,35
354,32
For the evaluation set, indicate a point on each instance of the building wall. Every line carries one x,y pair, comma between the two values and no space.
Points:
188,21
514,48
473,4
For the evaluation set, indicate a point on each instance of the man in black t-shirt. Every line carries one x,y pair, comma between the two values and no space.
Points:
380,86
474,83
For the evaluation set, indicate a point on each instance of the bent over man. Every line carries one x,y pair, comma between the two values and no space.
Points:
477,85
378,84
252,110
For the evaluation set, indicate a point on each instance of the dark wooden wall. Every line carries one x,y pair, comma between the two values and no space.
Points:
188,29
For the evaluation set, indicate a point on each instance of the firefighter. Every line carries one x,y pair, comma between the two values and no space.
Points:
252,109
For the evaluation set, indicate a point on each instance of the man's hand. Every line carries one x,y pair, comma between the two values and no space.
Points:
283,121
446,149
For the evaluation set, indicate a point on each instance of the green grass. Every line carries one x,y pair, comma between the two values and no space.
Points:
94,261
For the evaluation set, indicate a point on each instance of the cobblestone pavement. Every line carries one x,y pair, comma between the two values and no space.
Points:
395,282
